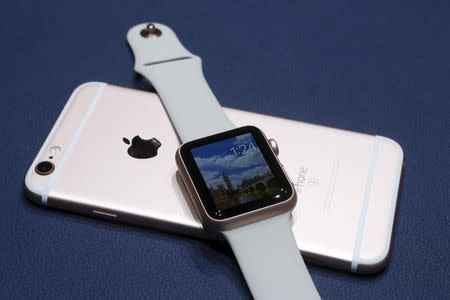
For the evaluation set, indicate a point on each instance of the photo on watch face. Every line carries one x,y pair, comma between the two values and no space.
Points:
235,172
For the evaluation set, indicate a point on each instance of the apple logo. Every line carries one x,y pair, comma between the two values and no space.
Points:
141,148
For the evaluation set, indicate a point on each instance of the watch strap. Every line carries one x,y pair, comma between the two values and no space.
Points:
266,250
270,260
177,76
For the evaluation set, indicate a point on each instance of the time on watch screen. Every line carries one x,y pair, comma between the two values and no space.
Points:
237,174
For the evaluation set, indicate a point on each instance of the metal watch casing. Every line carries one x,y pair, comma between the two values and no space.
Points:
232,222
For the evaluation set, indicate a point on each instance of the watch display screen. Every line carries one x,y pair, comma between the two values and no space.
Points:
236,172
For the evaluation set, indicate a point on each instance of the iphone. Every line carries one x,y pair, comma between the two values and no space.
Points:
111,154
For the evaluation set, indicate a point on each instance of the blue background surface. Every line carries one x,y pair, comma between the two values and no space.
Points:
380,67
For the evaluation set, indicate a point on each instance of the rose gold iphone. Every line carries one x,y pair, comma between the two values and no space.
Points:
111,154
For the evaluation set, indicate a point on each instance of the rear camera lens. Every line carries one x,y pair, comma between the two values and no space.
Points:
44,168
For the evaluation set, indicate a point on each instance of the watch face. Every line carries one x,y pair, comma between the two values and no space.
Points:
235,172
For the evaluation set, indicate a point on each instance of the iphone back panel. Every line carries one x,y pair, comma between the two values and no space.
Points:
113,150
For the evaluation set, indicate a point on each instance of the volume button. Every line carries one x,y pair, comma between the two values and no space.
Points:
105,214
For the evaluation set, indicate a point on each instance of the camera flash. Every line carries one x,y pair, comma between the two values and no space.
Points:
55,149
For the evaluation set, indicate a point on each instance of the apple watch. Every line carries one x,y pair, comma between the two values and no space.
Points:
233,177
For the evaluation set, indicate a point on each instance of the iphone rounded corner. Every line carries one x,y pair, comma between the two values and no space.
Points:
86,84
375,263
392,147
32,191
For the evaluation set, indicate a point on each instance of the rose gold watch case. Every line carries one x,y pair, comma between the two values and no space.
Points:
210,223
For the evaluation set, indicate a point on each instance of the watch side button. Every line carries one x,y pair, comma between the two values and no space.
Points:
273,144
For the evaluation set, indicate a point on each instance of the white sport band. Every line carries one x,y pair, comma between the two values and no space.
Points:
270,260
177,76
266,250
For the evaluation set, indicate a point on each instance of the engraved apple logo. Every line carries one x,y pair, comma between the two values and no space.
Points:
141,148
